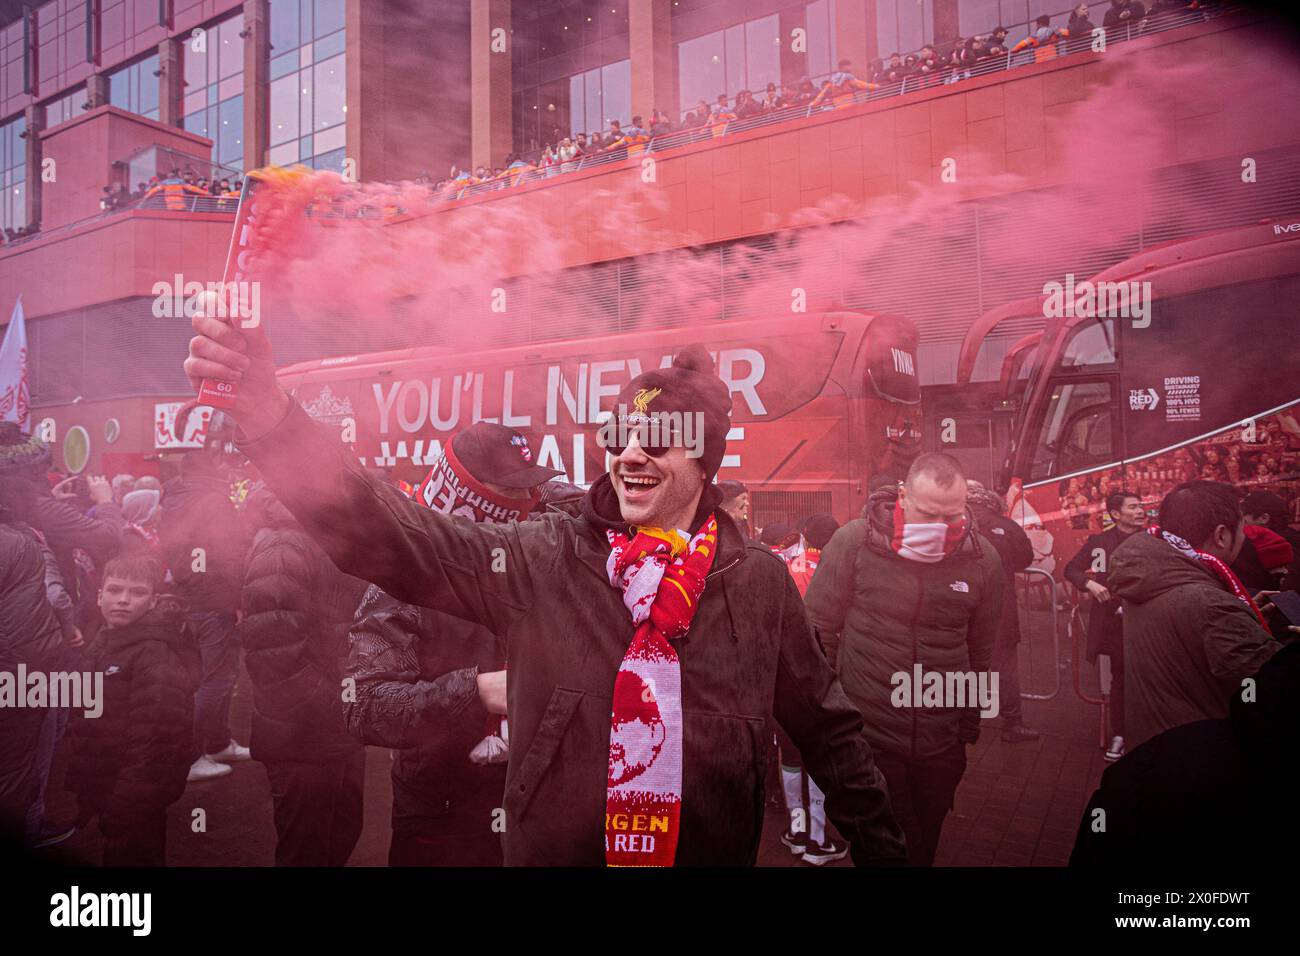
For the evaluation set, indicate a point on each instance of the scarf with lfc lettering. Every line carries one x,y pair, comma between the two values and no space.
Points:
1214,566
661,575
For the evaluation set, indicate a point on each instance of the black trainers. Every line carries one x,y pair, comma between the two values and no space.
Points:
828,852
796,843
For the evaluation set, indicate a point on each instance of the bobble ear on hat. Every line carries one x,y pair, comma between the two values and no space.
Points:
694,358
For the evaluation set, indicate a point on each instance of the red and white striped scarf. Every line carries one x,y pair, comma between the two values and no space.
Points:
661,575
1214,565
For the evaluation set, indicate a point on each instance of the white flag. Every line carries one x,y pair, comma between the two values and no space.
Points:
15,392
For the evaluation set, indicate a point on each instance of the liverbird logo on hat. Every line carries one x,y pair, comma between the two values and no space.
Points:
643,398
520,442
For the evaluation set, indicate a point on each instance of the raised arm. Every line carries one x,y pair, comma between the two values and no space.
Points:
480,572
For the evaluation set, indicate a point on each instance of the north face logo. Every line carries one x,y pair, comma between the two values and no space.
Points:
961,586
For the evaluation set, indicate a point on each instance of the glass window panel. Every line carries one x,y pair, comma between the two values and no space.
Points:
195,102
196,121
284,25
304,148
195,63
700,74
616,83
285,155
577,103
149,86
118,89
762,53
1016,13
915,23
735,61
332,138
304,55
331,160
327,47
329,17
232,86
305,20
977,16
284,64
305,98
331,92
886,27
817,19
231,130
591,121
232,47
284,109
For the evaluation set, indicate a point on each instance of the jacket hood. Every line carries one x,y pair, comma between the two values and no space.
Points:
1144,567
879,512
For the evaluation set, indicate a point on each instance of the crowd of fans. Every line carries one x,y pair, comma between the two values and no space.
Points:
933,65
173,188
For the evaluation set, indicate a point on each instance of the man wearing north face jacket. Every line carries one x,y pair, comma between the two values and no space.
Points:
912,586
647,645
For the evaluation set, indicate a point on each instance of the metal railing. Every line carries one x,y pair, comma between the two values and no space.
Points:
1053,598
947,75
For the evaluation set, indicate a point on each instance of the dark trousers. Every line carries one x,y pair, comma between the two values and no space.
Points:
318,809
140,841
431,830
921,793
219,650
1006,664
20,735
1116,652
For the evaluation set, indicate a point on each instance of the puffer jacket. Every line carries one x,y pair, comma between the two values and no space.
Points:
133,759
416,674
891,614
1016,553
749,655
1188,641
297,609
197,513
29,631
30,635
1210,795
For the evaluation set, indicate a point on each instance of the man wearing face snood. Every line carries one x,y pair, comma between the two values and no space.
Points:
432,686
908,585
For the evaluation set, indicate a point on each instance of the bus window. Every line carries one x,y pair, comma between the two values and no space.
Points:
1076,431
1090,346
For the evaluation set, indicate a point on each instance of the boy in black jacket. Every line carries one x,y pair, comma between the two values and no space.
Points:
129,764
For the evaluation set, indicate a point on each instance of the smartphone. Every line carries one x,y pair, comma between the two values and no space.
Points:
1288,602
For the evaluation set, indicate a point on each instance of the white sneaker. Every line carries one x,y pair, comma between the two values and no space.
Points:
1115,750
205,768
232,753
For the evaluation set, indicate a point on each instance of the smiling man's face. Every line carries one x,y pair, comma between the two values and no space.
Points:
662,491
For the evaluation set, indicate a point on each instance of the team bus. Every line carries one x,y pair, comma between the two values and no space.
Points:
1182,368
821,401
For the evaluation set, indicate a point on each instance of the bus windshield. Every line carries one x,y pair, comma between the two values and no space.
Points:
1076,431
